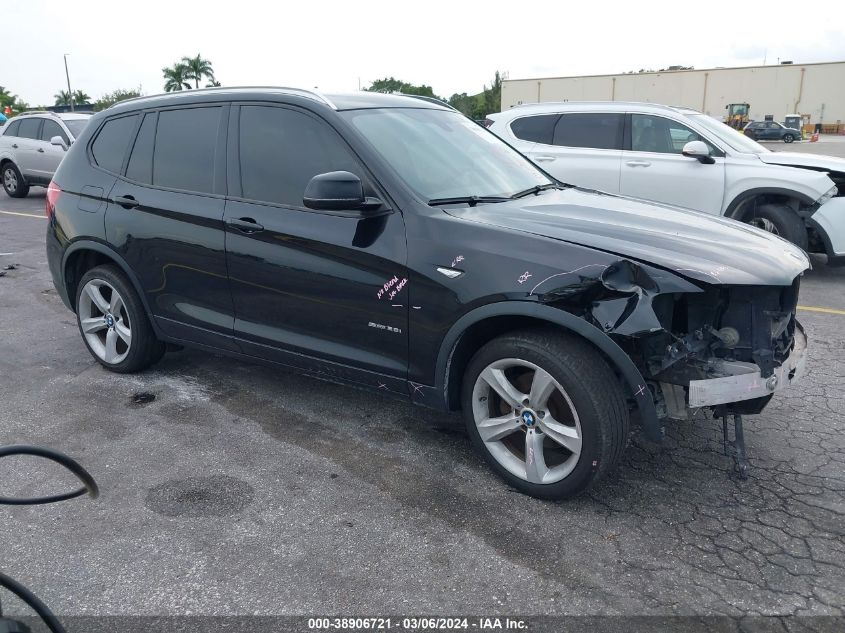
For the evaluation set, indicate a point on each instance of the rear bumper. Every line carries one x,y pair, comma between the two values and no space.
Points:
744,381
829,222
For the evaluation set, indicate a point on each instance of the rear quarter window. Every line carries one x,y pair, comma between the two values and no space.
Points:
536,129
11,128
109,148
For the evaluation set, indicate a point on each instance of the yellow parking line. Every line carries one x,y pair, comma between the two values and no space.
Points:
825,310
27,215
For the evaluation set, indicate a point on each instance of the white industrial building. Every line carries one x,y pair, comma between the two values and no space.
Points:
816,91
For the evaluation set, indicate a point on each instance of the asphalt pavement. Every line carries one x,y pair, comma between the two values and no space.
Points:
241,489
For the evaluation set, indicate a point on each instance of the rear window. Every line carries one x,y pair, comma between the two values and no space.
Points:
111,143
536,129
184,149
593,130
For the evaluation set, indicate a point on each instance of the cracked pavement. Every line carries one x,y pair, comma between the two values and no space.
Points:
242,489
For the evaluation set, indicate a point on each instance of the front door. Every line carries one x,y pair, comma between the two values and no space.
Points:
655,169
47,155
324,292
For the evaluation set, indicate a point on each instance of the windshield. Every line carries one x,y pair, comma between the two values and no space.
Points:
76,125
442,154
735,140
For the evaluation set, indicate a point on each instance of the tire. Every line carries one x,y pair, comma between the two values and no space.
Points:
581,428
788,138
782,221
113,323
13,183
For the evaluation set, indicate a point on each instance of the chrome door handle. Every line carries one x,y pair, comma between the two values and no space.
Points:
544,159
638,163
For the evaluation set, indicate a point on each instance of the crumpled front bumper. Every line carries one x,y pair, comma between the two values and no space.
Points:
743,380
829,222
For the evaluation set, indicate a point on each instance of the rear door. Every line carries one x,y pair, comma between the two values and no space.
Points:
24,147
306,283
585,149
165,217
653,168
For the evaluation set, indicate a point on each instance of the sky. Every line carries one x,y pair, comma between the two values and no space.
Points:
453,46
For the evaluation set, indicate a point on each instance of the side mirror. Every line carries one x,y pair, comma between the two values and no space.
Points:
338,191
699,151
58,140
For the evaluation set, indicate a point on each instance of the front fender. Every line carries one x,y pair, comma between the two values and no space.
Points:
637,387
829,222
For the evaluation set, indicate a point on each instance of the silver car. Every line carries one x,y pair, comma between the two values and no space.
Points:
32,145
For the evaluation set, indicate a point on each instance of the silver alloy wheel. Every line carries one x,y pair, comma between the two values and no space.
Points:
104,321
10,180
765,224
527,421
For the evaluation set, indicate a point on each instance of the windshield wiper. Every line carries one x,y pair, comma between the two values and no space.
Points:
536,189
470,200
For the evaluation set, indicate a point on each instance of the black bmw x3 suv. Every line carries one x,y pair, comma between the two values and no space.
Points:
391,243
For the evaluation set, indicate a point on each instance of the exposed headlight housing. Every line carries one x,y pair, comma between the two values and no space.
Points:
830,193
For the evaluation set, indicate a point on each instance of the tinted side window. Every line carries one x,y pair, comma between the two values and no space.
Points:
538,129
12,128
29,128
184,149
594,130
140,166
281,150
656,134
111,143
51,129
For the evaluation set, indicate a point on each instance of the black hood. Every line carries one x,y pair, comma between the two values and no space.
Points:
707,248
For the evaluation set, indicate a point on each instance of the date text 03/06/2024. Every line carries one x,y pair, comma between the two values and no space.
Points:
418,624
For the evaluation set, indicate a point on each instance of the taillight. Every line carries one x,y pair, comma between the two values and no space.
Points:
53,191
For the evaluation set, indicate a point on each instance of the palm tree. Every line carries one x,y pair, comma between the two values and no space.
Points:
62,98
213,84
80,97
176,78
198,68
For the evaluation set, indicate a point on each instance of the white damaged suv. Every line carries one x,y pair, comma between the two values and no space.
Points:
682,157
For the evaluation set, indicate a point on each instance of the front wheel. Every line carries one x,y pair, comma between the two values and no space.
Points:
13,183
788,138
782,221
113,322
546,412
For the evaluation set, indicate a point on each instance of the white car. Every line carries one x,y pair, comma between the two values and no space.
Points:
682,157
32,145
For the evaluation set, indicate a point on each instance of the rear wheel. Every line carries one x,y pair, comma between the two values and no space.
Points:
788,138
782,221
113,322
546,412
13,183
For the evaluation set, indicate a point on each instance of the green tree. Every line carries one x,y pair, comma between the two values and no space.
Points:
176,78
11,100
111,98
62,98
213,84
80,97
198,69
391,84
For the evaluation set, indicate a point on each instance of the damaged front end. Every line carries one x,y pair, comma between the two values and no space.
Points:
698,345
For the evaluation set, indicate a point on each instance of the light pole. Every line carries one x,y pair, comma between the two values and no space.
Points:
67,75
